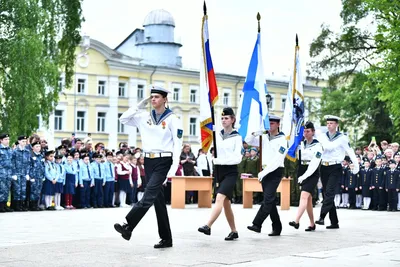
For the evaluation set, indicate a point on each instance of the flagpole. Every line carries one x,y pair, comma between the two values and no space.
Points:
260,138
216,173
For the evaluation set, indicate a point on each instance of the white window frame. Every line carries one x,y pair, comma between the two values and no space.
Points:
143,92
121,127
103,121
81,86
57,117
283,98
85,121
102,79
272,104
86,78
173,87
196,125
228,102
125,89
196,95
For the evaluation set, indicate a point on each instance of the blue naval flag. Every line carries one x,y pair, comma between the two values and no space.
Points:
253,110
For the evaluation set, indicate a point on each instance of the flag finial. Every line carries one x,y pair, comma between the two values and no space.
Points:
297,40
205,8
258,18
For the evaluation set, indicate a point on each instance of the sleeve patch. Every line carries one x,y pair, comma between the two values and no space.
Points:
180,133
318,155
282,150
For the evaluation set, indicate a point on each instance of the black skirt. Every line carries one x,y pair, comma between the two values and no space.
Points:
227,175
309,184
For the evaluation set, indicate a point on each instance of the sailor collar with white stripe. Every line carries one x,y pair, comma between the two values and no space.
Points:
313,143
165,115
334,137
272,137
226,136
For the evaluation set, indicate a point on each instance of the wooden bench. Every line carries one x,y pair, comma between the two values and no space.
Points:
181,184
251,185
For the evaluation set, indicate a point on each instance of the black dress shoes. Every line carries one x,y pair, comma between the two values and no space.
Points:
275,233
320,221
125,230
205,230
294,224
164,244
310,228
232,236
333,226
254,228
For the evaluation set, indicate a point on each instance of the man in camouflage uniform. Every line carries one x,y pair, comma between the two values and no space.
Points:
5,171
20,173
36,175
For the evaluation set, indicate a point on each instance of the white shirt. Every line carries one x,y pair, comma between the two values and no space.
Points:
274,150
162,136
229,150
311,153
202,164
336,147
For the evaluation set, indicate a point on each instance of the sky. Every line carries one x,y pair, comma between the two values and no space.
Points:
232,28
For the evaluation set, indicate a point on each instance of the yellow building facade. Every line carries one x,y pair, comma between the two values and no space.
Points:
107,82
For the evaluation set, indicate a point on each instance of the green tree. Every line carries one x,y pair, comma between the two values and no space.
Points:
38,39
362,62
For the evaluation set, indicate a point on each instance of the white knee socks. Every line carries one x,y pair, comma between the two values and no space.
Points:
337,200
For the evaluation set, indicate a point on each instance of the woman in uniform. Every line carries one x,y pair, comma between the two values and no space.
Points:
308,174
229,148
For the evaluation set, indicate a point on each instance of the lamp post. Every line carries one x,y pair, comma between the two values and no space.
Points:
85,45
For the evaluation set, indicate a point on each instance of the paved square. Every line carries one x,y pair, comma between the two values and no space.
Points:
87,238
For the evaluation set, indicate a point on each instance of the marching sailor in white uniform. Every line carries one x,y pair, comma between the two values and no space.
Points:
274,151
309,157
161,132
335,145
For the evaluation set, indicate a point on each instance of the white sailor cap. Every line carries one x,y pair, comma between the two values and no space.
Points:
274,118
154,89
331,118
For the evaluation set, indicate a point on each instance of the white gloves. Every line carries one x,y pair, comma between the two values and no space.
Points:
261,175
258,133
27,177
143,103
215,161
14,177
300,179
32,180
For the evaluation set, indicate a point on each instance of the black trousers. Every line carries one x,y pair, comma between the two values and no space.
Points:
375,197
383,199
330,176
270,184
352,197
392,199
156,172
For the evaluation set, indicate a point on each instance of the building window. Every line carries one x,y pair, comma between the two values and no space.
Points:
193,94
140,91
80,121
58,120
226,99
81,86
192,126
101,88
271,103
121,127
176,94
122,90
60,83
101,122
283,102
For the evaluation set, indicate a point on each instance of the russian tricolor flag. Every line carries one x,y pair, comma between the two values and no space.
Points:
208,89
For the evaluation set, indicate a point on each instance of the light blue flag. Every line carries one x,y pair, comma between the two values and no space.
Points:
253,110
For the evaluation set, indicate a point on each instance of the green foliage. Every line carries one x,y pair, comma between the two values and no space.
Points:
38,39
362,62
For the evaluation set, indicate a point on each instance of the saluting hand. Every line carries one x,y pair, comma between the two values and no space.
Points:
143,103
